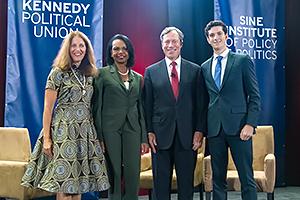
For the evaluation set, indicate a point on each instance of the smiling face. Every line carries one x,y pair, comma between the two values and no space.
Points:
119,52
171,45
77,50
217,39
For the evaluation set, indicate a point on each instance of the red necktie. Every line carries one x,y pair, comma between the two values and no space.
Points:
174,78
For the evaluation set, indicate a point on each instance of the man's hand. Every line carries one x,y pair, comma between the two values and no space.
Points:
144,148
197,140
152,141
246,132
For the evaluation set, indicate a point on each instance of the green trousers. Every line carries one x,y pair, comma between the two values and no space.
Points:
123,157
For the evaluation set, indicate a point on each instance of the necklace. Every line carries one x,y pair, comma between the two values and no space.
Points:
123,74
82,84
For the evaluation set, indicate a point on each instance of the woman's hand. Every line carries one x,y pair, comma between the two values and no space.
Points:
102,146
48,147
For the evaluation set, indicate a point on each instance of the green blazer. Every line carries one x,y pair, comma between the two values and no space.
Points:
113,104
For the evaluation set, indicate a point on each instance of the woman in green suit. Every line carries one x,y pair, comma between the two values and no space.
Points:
119,117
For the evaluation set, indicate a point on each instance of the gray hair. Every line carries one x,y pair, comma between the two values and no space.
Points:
168,30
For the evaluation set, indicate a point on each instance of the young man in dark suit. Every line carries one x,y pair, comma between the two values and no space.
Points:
233,111
175,116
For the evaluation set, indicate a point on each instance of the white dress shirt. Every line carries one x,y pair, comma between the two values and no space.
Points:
169,67
224,54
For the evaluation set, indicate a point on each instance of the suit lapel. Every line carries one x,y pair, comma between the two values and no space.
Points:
209,76
183,77
228,67
229,64
116,77
132,80
163,72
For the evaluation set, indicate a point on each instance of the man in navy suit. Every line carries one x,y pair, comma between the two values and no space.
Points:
174,101
233,111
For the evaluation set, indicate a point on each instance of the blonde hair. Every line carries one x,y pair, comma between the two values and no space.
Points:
63,59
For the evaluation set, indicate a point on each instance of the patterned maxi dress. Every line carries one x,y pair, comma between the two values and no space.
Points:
78,164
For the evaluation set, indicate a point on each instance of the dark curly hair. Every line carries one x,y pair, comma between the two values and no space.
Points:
213,24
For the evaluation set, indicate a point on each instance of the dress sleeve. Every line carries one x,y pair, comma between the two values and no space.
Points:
54,79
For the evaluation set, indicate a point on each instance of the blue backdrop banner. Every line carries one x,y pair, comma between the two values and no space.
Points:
36,29
35,32
257,28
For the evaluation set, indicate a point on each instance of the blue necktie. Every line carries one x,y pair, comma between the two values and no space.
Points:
217,76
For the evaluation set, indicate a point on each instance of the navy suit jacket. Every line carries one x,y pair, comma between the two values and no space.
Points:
163,113
238,101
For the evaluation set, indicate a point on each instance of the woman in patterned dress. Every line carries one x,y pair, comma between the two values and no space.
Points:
67,158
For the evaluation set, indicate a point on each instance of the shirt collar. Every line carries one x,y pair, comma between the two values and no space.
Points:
178,61
224,54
